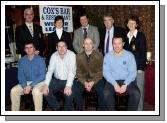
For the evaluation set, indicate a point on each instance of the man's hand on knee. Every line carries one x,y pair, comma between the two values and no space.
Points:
123,89
27,89
67,91
45,90
117,88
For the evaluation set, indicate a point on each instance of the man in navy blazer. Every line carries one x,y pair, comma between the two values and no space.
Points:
29,31
108,33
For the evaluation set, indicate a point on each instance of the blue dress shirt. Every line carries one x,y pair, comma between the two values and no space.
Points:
122,67
31,70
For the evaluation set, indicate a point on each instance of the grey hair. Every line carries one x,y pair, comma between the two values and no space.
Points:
28,9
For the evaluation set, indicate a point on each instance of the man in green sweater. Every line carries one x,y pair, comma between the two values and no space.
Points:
89,74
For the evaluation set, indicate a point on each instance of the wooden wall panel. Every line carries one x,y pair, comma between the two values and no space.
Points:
146,14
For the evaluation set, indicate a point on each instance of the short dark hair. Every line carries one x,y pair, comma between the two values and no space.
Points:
59,17
134,18
118,36
29,42
61,41
83,14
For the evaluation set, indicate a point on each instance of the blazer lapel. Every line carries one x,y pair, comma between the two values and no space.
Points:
115,31
89,30
92,57
27,32
81,32
55,35
137,36
35,29
63,35
81,36
85,61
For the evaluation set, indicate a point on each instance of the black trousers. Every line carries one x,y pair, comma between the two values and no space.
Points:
79,89
55,86
132,90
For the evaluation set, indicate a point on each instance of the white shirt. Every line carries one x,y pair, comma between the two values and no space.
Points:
59,32
63,69
29,25
111,31
86,28
131,36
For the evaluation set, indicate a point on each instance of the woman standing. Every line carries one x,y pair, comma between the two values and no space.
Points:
136,43
58,35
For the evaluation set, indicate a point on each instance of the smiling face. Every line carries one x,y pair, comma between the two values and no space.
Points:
29,49
59,24
84,21
118,45
88,45
29,15
61,48
132,25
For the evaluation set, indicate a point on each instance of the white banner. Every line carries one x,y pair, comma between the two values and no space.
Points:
48,14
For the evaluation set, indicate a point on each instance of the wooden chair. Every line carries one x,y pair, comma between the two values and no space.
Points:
90,99
121,101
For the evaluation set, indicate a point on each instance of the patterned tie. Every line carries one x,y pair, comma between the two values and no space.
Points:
31,30
85,33
108,41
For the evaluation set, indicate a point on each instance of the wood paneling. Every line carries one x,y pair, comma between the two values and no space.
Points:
146,14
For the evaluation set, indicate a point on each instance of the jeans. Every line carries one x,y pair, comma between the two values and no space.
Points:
78,92
55,86
133,100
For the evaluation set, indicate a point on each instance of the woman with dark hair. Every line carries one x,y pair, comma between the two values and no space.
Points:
57,35
136,43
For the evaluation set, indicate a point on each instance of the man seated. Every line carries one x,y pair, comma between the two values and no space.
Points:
31,74
89,74
63,65
119,69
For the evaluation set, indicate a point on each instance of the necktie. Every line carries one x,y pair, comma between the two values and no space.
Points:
88,58
108,41
31,30
85,33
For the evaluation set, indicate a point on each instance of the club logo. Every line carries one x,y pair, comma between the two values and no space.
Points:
124,62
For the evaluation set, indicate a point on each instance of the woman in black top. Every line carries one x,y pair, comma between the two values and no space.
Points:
136,43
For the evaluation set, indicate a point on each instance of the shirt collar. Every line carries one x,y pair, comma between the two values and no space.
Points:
89,53
118,54
134,34
86,27
32,58
64,55
29,24
61,29
111,29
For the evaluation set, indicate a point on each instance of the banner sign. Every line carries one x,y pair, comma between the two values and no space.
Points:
48,14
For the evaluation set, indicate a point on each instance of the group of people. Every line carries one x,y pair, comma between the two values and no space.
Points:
110,62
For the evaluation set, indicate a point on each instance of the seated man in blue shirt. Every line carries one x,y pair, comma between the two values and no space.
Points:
31,74
119,69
